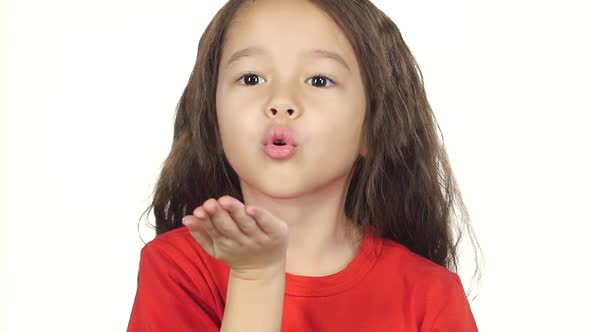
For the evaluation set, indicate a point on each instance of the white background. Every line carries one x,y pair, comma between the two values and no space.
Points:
87,99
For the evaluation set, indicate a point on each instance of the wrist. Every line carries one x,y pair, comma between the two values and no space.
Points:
264,274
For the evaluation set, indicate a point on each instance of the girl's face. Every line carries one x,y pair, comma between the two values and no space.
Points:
288,44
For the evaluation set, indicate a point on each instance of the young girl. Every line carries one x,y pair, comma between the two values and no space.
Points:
306,189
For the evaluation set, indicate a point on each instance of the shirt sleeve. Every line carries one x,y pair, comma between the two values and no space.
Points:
454,313
167,299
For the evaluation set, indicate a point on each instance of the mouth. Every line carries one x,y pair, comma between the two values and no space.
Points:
279,152
279,136
279,143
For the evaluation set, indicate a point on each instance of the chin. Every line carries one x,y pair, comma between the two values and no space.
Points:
282,188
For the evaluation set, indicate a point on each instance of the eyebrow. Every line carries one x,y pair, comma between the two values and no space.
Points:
319,53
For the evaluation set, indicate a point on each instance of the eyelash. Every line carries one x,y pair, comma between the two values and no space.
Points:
315,75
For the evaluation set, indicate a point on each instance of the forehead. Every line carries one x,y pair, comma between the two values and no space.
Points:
287,26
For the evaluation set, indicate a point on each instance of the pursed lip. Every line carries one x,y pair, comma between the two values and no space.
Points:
279,133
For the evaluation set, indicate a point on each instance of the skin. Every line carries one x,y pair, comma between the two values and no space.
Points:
303,196
293,217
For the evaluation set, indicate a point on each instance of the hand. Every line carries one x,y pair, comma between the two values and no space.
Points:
249,239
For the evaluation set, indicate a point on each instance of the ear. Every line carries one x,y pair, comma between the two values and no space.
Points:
364,150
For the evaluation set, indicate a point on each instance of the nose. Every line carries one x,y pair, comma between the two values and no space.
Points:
283,104
281,111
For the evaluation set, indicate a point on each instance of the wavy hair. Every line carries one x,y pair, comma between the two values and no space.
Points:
404,188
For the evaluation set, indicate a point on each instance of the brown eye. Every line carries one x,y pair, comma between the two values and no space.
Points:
320,81
250,79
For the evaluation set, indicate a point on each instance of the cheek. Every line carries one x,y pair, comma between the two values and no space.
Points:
230,117
339,127
239,136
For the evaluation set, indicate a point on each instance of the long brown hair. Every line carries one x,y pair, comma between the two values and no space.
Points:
404,188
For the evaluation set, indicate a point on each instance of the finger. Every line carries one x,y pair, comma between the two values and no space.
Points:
268,223
193,224
223,222
201,214
237,210
199,233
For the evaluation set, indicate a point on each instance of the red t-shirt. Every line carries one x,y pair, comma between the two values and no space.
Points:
386,287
